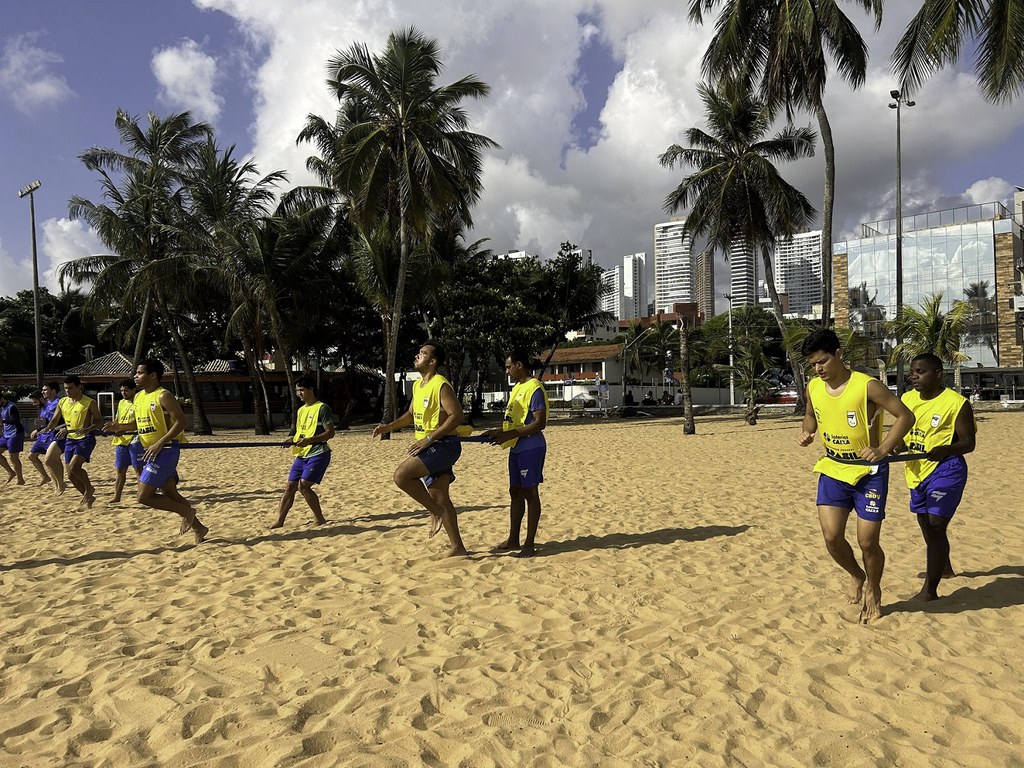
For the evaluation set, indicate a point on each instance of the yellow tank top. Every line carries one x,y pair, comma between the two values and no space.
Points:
150,418
125,415
76,415
305,426
934,425
426,404
519,407
845,426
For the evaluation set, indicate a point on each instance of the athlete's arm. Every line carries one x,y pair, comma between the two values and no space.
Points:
810,423
963,437
170,404
451,406
880,395
319,437
405,420
94,418
56,419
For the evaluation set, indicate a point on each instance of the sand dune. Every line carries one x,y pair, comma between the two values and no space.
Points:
681,611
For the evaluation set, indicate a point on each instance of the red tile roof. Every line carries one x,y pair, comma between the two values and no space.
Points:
591,353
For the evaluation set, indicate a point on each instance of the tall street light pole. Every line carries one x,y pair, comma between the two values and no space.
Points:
898,102
30,191
732,380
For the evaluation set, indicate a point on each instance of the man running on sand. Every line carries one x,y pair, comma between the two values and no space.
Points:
847,406
314,426
160,422
12,437
80,416
48,444
427,472
122,443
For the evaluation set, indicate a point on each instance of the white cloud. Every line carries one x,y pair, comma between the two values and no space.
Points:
187,77
64,240
14,275
27,77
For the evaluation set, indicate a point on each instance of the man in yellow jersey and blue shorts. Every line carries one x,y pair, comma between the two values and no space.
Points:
160,423
846,406
522,433
427,473
122,443
944,429
314,426
80,416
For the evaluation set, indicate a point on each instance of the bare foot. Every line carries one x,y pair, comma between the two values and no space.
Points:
506,546
949,573
116,500
457,552
925,596
527,551
321,520
277,524
88,501
872,609
10,477
186,524
200,531
435,525
45,481
61,486
856,593
21,481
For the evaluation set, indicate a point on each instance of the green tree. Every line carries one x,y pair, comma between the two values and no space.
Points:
736,193
403,151
749,370
785,46
936,35
932,329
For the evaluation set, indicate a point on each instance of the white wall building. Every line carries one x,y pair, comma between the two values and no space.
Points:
613,298
798,270
674,269
743,275
634,287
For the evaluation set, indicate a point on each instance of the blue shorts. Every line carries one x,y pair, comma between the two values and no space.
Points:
526,468
161,469
310,468
83,447
866,498
135,453
15,443
43,440
439,458
940,493
123,457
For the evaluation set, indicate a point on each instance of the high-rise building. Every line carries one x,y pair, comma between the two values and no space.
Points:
742,274
673,266
634,286
706,283
612,299
798,270
516,255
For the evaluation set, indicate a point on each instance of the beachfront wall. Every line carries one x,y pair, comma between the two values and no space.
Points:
968,254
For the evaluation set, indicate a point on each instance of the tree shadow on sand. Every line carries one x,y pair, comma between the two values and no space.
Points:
1002,593
420,513
640,539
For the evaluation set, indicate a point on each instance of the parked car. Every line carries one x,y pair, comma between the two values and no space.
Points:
778,396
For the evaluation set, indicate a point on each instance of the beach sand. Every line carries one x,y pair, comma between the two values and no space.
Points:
681,610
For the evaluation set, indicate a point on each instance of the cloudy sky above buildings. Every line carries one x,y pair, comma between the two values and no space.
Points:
584,97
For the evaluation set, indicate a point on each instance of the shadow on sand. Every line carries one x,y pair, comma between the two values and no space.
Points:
1001,593
631,540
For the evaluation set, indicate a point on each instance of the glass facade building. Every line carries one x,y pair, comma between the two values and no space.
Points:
953,253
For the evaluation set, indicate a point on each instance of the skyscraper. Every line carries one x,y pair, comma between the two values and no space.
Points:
743,275
673,266
798,270
706,283
612,299
634,286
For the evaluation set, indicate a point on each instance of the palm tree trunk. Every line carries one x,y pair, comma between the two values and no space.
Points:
258,403
396,318
794,363
385,322
140,337
827,204
200,423
689,428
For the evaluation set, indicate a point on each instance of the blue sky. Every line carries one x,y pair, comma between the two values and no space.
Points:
585,95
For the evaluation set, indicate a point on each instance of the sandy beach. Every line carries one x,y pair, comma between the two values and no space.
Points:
681,610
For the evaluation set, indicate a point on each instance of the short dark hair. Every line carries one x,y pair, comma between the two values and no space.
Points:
37,395
524,358
820,340
306,382
438,353
54,385
72,379
152,365
933,360
128,383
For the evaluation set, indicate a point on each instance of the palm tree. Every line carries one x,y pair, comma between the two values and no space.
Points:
983,328
748,370
736,193
146,267
785,47
403,151
636,351
937,33
931,329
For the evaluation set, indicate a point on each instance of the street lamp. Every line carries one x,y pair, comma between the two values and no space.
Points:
732,381
30,191
899,101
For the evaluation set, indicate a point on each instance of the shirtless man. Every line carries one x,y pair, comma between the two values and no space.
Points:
79,416
427,472
847,406
160,422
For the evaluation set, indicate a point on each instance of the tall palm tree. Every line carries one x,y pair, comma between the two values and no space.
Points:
936,35
748,370
403,150
785,46
736,193
932,329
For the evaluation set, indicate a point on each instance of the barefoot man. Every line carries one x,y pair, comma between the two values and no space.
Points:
944,429
522,432
80,416
314,426
846,405
427,472
47,443
159,421
12,437
122,443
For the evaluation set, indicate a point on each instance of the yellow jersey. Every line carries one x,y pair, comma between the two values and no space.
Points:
518,410
125,415
934,425
426,404
150,418
76,415
846,423
309,422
